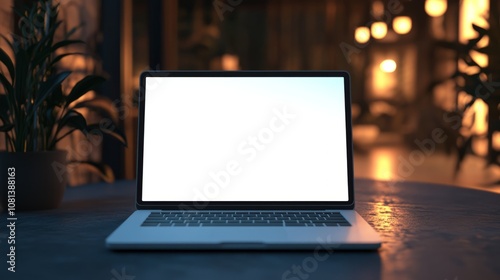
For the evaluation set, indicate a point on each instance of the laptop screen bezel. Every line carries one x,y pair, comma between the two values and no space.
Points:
250,205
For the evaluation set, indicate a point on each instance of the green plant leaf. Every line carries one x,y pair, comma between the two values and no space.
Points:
462,152
73,30
52,50
472,43
489,50
19,85
59,57
65,43
470,61
101,105
6,127
47,39
4,113
49,116
480,30
82,87
103,170
6,84
5,59
42,50
456,46
49,86
74,119
113,131
7,41
4,108
56,98
469,104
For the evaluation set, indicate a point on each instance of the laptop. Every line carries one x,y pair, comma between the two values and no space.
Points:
244,160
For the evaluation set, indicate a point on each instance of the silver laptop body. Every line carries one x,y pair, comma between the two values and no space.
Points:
244,160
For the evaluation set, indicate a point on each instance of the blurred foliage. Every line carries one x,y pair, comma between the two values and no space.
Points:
481,84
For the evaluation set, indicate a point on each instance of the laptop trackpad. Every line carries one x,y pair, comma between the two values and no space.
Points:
251,237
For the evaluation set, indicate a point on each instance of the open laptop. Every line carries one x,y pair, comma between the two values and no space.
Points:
244,160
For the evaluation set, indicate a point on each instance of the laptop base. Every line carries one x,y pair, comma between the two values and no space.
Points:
132,236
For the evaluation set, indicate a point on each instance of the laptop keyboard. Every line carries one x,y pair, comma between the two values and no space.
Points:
243,218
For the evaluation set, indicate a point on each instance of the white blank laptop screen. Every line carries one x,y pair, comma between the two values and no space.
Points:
244,139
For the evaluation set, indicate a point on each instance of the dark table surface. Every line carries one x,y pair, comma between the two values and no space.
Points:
429,232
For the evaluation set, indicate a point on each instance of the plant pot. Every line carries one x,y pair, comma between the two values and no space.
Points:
39,179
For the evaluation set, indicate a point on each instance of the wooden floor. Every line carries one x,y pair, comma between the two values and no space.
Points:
396,163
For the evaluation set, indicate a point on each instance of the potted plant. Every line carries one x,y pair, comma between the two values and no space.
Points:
36,113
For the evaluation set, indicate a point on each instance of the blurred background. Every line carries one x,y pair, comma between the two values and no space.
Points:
424,89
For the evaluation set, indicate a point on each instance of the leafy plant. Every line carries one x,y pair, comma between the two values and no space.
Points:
35,112
483,83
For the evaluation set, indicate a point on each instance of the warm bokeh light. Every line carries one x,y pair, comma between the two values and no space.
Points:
362,34
402,25
379,30
230,62
496,141
384,168
474,123
480,146
378,9
382,85
474,12
481,112
388,66
385,219
436,8
365,134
